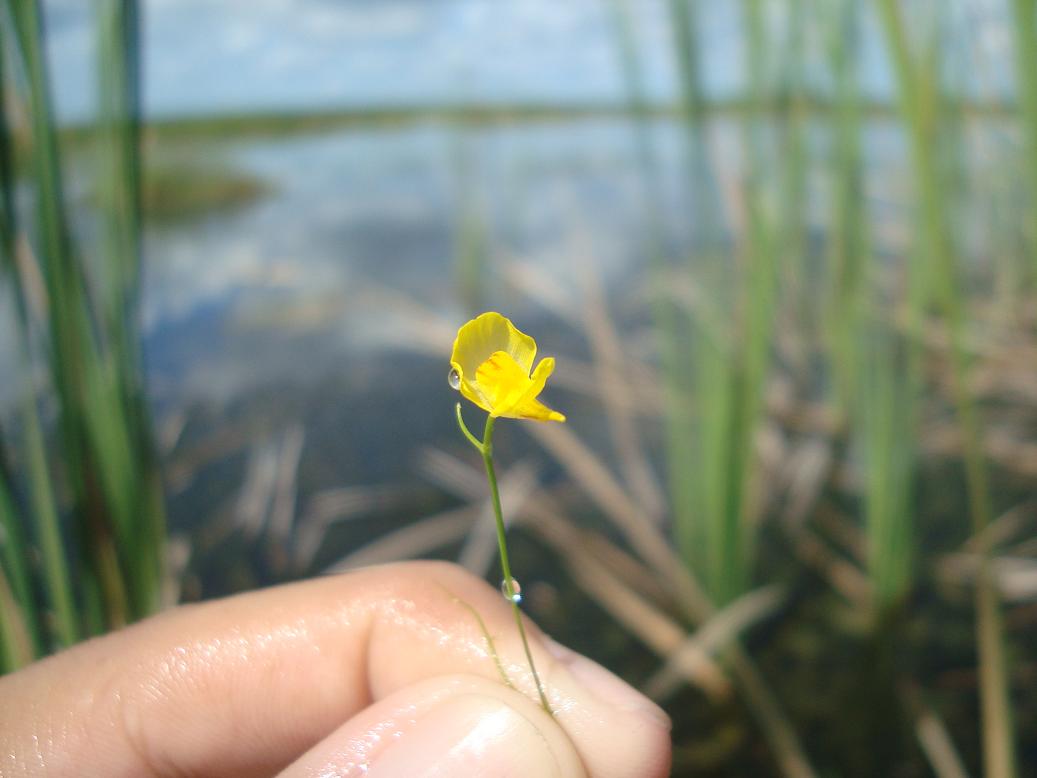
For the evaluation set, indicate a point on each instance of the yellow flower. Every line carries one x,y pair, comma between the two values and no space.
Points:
491,366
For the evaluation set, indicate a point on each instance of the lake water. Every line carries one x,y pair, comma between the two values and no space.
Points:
354,213
320,317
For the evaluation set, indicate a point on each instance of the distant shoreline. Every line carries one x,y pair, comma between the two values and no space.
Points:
276,123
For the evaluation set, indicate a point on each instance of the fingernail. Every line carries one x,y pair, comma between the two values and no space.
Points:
605,685
468,735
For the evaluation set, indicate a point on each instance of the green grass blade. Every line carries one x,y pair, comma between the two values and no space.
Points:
55,560
119,141
70,326
14,558
703,209
849,244
795,170
16,646
731,404
126,432
94,358
7,181
671,324
918,91
1024,24
886,412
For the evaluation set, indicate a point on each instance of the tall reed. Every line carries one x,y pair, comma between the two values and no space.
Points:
918,89
83,322
875,371
884,424
713,360
672,323
731,364
794,163
848,241
16,646
118,37
1024,24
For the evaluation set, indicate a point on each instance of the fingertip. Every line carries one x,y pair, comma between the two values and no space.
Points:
452,725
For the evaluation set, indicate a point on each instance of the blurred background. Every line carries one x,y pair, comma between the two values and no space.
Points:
784,251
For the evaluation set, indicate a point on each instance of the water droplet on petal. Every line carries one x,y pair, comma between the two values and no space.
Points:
454,379
515,594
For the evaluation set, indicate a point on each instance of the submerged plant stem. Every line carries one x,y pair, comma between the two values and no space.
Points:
490,644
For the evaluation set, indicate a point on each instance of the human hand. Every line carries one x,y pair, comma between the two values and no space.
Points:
380,672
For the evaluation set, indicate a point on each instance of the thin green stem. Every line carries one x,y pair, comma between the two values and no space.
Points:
486,447
529,658
491,646
491,476
465,431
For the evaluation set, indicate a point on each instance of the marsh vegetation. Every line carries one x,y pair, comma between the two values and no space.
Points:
795,325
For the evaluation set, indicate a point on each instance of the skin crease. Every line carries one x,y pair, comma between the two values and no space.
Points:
373,665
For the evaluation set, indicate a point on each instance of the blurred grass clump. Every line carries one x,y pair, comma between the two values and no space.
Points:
814,519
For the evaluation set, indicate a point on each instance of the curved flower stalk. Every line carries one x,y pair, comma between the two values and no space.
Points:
492,366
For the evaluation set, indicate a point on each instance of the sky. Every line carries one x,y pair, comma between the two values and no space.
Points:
232,56
202,56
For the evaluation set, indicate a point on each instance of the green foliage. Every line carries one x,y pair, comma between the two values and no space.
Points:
90,502
716,354
937,278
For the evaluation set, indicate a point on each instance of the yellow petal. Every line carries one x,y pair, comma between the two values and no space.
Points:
489,332
470,391
527,406
502,382
539,378
535,410
492,359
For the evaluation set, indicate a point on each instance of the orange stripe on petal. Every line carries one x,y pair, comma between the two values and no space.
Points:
502,382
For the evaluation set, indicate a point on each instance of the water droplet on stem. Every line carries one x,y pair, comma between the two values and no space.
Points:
515,595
